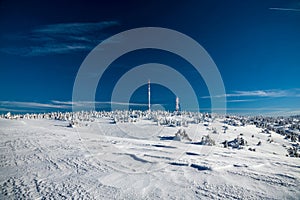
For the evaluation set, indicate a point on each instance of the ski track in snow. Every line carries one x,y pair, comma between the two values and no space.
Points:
43,159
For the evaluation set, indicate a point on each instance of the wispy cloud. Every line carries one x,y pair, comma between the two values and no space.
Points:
261,93
241,100
33,105
59,38
83,103
74,28
20,106
285,9
14,110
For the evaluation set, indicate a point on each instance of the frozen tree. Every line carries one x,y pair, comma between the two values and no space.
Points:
207,140
182,135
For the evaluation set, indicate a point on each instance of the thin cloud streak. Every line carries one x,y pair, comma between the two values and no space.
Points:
16,106
261,93
14,110
60,38
285,9
74,28
20,106
241,100
33,105
82,103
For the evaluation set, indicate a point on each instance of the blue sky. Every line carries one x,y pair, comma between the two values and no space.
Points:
255,45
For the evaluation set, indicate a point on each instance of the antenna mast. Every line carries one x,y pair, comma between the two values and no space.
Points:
149,103
177,104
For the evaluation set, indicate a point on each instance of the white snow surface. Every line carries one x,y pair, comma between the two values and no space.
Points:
45,159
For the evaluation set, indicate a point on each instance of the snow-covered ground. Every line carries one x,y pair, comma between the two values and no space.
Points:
44,159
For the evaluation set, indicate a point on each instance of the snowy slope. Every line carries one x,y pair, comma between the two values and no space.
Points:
42,159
